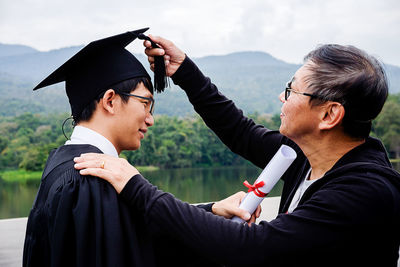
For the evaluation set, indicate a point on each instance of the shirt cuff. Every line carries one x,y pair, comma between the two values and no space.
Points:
206,207
188,74
130,190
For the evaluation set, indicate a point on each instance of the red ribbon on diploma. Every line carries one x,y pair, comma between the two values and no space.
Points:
255,188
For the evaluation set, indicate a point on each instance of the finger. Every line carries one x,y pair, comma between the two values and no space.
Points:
154,51
88,158
98,172
241,195
90,164
159,40
146,44
78,159
150,59
250,222
91,156
164,43
148,52
242,214
252,219
258,211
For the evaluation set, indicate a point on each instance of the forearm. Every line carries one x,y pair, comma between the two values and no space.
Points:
312,227
212,235
241,134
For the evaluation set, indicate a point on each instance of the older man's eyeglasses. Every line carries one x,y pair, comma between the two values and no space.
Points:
289,90
149,103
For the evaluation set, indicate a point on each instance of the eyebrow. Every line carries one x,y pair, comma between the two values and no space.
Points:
148,95
289,83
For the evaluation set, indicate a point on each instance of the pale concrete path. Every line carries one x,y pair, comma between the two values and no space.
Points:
12,235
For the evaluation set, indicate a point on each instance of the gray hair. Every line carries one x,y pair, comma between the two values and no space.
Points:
351,77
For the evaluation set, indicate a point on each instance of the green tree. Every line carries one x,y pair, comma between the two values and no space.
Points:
34,159
387,126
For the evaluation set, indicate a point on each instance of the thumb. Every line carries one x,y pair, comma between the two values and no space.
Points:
158,40
245,215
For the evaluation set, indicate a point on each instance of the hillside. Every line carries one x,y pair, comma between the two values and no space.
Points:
11,50
252,79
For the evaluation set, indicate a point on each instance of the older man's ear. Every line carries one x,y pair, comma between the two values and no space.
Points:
332,115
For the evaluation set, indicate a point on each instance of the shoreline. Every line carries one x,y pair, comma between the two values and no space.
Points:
23,176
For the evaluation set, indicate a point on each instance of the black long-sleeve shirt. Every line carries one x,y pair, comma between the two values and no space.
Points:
349,217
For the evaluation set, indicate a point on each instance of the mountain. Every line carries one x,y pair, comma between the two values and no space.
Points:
36,65
12,50
253,80
393,75
234,74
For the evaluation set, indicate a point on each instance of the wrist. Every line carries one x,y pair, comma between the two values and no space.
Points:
215,209
212,208
187,73
180,59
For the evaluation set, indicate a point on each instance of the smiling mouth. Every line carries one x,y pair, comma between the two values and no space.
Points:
143,132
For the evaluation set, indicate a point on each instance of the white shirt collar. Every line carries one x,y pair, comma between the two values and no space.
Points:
82,135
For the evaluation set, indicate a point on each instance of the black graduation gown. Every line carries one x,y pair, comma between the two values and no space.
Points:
80,221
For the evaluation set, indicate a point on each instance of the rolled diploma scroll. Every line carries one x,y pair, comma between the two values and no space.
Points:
270,176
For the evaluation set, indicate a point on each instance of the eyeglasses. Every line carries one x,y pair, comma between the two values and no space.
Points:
149,105
289,89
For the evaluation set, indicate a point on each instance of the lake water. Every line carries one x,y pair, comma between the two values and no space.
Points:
193,185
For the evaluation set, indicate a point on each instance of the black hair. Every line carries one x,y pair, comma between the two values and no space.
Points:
351,77
126,86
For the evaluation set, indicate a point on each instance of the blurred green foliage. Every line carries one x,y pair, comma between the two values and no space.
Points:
173,142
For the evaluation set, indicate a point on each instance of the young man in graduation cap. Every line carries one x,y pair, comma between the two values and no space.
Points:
78,220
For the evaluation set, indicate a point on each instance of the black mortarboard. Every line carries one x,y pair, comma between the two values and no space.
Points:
95,68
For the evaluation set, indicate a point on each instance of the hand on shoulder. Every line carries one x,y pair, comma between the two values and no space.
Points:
117,171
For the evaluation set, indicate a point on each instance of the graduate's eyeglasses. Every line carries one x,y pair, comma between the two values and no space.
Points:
149,104
289,90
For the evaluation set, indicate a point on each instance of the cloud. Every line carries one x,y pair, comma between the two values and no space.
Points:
286,29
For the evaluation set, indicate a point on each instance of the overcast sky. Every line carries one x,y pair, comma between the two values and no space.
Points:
287,29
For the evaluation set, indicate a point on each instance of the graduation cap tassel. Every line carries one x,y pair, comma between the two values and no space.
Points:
160,75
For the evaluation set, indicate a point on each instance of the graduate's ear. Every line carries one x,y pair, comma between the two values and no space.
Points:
108,101
331,116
